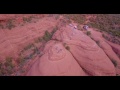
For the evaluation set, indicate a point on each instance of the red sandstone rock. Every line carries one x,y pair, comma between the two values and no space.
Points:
86,52
56,61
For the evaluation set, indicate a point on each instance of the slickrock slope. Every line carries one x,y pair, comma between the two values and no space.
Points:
48,45
106,46
87,54
56,61
17,38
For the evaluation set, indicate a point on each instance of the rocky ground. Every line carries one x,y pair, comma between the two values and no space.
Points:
51,45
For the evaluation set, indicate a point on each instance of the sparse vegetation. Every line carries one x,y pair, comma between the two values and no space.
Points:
54,30
112,39
36,50
31,51
107,23
7,67
106,37
47,36
78,18
29,46
10,24
9,62
20,60
27,19
88,33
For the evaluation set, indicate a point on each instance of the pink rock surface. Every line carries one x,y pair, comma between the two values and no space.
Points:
20,36
86,52
107,48
85,56
56,61
115,47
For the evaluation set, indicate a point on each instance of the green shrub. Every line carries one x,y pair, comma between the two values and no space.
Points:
8,62
47,36
27,19
20,60
29,46
7,67
107,23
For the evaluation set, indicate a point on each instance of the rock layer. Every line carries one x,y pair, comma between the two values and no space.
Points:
84,56
56,61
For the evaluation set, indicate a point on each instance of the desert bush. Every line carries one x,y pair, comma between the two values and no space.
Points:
29,46
54,30
104,36
20,60
7,67
79,18
36,50
10,24
27,19
107,22
47,36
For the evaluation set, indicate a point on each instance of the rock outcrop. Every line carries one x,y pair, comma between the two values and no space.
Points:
87,53
56,61
109,49
84,56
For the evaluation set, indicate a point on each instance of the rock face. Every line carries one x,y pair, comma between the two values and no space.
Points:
87,53
84,56
56,61
16,39
109,49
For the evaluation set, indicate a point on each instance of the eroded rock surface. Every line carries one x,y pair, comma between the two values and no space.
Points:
84,56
